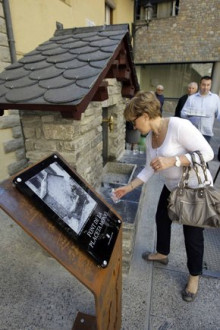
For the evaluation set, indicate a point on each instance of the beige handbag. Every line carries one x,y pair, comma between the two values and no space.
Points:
199,207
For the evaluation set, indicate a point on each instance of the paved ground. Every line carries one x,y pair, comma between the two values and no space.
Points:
39,294
152,292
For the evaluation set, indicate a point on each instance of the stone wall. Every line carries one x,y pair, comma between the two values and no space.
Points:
192,36
11,138
79,142
12,152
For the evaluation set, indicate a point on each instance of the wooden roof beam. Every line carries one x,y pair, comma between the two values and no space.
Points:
124,73
102,92
128,91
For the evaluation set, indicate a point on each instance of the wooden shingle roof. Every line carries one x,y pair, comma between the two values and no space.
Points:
66,72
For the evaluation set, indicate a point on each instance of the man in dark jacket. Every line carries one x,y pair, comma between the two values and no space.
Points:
159,94
192,89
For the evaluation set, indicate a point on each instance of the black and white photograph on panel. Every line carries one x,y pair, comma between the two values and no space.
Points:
63,195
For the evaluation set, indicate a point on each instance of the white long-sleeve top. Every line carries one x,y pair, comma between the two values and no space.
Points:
182,138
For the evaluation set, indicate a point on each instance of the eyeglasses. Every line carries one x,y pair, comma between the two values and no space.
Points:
134,121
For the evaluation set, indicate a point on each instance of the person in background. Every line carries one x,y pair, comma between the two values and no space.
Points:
160,96
202,108
169,142
132,137
191,89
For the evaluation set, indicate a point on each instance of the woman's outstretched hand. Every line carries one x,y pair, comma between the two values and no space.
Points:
121,191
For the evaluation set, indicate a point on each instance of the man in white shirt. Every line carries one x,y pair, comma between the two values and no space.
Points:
202,108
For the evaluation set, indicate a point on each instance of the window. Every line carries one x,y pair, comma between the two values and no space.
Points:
108,15
167,9
161,8
109,7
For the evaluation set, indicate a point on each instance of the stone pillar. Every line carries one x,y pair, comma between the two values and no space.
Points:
216,78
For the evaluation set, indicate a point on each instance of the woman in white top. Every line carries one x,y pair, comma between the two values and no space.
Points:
168,144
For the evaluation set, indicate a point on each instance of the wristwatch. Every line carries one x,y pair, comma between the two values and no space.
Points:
178,162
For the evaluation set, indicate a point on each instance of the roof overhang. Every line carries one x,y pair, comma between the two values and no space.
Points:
68,71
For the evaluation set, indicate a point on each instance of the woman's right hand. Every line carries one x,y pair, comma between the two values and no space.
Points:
121,191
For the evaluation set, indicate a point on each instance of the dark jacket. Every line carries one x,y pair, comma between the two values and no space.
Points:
180,104
161,99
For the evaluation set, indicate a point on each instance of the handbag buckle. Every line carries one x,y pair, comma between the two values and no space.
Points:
201,192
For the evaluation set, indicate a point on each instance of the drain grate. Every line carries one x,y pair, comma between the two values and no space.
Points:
212,252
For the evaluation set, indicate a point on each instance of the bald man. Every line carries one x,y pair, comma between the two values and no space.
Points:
191,89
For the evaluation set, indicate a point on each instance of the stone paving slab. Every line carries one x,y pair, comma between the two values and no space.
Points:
152,292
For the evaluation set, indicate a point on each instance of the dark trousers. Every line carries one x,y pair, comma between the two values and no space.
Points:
194,241
208,139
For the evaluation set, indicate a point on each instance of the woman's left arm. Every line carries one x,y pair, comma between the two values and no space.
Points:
161,163
191,139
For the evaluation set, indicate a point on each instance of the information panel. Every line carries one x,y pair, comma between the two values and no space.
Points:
68,201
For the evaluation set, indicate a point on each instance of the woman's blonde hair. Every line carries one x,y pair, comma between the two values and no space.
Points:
142,102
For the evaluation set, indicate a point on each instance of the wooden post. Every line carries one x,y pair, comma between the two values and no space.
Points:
105,284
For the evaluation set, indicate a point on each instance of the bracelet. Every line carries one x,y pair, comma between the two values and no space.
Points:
132,187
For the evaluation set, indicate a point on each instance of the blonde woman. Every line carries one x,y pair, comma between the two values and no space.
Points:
168,144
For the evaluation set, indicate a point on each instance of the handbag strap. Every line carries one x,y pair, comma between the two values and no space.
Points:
185,177
202,164
195,165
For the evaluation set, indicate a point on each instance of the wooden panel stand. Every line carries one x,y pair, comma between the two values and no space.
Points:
105,284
